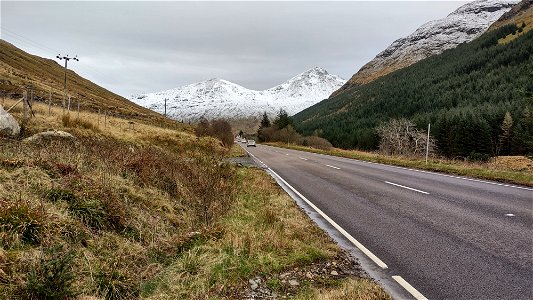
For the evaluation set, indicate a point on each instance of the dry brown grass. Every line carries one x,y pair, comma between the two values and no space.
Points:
148,212
350,289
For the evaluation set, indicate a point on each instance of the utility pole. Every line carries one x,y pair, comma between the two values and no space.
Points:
66,58
166,107
427,143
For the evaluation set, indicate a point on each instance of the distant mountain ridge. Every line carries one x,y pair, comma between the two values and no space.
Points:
463,25
219,98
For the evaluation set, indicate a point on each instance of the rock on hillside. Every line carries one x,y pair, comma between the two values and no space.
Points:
463,25
218,98
8,125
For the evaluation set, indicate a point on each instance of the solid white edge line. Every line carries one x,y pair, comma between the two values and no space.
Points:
409,288
333,167
360,246
423,171
406,187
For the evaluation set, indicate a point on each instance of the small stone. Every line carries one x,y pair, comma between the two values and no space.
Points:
254,286
293,282
309,275
251,281
334,273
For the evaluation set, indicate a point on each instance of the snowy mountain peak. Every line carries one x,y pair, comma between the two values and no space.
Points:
463,25
219,98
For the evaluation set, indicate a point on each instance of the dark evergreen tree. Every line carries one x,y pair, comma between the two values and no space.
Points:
265,122
282,119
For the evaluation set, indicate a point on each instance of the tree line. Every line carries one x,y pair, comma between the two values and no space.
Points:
281,130
478,98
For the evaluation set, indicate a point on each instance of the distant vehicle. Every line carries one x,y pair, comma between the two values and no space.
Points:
243,140
250,143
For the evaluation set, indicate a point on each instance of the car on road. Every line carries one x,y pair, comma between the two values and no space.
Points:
250,143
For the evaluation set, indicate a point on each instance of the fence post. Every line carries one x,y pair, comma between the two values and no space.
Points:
25,108
50,101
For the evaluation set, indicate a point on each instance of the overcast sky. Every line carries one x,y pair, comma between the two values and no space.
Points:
134,47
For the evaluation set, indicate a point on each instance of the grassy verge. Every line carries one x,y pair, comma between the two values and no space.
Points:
494,170
149,212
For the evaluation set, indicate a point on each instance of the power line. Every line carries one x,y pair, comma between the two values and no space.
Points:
32,43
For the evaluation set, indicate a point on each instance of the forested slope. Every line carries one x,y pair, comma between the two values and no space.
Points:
464,93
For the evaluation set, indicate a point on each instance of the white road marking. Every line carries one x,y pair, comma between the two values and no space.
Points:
333,167
427,172
509,215
303,158
256,158
360,246
406,187
286,153
409,288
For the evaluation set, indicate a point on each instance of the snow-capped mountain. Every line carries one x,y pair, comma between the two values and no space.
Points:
218,98
463,25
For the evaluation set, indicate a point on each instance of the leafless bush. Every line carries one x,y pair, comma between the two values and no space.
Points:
401,137
220,129
286,135
316,142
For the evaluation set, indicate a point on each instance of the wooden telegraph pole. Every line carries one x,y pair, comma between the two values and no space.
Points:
66,58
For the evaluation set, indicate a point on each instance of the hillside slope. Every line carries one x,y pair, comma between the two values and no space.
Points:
18,69
218,98
464,93
463,25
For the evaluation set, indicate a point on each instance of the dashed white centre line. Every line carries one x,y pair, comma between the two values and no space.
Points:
406,187
509,215
409,288
302,158
337,168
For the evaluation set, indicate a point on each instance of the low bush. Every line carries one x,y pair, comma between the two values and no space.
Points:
53,276
20,222
316,142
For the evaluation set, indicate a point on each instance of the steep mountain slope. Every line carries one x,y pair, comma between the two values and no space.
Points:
463,25
18,69
519,13
464,93
218,98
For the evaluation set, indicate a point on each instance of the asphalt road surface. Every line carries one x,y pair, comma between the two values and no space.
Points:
447,237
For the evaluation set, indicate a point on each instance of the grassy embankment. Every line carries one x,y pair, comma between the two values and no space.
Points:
515,170
151,213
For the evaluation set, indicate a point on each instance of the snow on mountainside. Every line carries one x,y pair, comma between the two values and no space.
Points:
463,25
218,98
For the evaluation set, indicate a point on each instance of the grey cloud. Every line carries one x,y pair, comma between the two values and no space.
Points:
132,47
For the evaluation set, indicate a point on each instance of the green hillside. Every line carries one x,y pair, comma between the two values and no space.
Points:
464,92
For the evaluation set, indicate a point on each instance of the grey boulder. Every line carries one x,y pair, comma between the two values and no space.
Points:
8,125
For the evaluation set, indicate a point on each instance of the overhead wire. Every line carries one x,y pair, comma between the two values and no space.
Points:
53,52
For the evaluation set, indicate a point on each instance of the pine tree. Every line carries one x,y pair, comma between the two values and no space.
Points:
505,135
265,122
282,119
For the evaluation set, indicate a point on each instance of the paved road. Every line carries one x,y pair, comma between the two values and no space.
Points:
448,237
